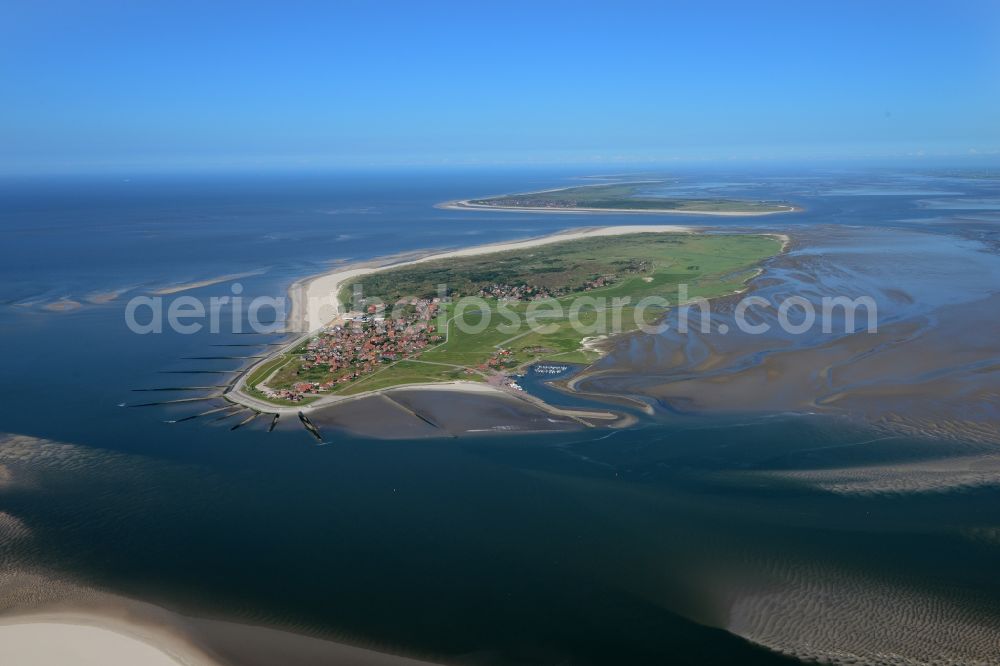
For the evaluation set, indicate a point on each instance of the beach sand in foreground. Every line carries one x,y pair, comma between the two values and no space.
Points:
106,630
47,642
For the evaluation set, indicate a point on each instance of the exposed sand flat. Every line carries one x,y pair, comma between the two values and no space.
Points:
107,630
314,301
486,407
883,377
48,641
479,387
62,305
931,369
101,297
413,414
331,400
174,289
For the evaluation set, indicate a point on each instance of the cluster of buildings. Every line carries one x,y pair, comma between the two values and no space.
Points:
531,292
529,202
357,344
294,394
598,282
501,358
521,292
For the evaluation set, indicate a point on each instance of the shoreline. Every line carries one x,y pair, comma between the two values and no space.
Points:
467,204
93,638
118,631
262,406
314,299
315,303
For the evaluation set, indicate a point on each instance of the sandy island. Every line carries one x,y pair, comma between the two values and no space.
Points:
315,303
468,204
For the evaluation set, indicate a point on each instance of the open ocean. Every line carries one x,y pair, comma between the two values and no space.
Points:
651,545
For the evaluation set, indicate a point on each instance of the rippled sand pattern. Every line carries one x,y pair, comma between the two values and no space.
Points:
19,588
25,591
22,457
939,475
825,617
11,528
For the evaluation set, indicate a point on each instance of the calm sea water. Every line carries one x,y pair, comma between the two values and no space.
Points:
624,547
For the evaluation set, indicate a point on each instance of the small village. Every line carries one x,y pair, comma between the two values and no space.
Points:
521,292
357,344
360,342
525,201
530,292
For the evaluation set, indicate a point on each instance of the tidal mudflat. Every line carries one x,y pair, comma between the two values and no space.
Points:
931,368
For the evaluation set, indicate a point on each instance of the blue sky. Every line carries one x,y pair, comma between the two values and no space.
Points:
102,84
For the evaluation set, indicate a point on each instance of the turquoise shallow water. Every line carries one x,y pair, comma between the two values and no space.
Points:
638,546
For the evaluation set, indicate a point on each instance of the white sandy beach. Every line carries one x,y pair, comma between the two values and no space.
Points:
82,640
134,633
315,303
51,644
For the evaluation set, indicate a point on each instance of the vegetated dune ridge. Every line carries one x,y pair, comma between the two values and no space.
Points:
315,303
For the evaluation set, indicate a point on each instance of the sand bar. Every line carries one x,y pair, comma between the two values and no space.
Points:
187,286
